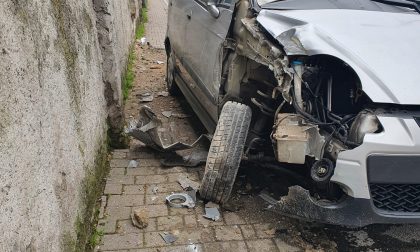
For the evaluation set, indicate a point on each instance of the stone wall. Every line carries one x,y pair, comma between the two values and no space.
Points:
53,112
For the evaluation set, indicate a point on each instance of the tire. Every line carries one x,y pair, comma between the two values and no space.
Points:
173,88
225,152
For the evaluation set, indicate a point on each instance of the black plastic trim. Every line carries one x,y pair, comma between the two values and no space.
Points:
393,169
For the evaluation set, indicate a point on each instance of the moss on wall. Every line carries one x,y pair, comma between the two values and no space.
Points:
92,188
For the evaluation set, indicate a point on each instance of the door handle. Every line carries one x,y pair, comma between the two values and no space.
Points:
189,14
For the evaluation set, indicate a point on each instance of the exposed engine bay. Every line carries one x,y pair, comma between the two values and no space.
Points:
306,109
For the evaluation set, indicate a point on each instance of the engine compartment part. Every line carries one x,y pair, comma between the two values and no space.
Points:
296,139
365,122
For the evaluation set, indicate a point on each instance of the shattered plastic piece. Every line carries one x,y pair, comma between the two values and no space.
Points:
146,97
162,93
167,113
180,200
196,158
265,196
159,62
212,213
192,193
188,183
149,130
155,189
143,41
132,164
168,237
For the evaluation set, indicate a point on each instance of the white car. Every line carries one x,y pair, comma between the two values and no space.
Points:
326,92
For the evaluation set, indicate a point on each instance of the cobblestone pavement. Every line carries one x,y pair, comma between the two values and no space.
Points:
157,19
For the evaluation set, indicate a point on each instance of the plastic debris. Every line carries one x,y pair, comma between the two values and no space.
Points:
180,200
133,164
167,113
188,183
160,62
143,41
212,213
168,237
155,189
149,131
196,158
162,93
146,97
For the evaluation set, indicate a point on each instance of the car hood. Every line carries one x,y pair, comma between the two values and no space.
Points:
382,47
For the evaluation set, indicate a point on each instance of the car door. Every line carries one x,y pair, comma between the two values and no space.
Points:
204,37
177,22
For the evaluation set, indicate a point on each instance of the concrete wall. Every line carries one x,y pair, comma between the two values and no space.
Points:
53,112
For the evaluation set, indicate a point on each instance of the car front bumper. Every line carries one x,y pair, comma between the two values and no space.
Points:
381,180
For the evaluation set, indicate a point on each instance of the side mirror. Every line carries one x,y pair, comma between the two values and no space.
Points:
212,9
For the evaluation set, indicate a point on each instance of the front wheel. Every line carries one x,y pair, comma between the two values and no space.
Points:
173,88
225,152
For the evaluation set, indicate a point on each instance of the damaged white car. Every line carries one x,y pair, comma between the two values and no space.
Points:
326,91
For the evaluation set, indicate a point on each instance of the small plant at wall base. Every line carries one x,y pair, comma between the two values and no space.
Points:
128,79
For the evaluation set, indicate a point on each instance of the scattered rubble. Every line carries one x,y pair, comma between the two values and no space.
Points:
168,237
143,41
155,189
180,200
146,97
140,218
188,183
160,62
133,164
196,158
167,113
162,93
212,213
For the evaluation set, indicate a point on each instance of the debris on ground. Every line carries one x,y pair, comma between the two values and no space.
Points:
187,183
133,164
160,62
155,67
143,41
140,218
168,237
180,115
180,200
192,193
149,131
155,189
167,113
163,93
196,158
146,97
267,198
212,213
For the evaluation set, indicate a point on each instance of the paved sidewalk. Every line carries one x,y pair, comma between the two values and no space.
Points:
157,11
133,188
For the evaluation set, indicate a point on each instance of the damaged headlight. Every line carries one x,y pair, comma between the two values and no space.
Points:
365,122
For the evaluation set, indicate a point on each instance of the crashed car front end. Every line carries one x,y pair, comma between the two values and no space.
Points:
345,107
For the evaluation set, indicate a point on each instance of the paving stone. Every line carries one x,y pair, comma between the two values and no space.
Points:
113,188
164,188
153,239
156,199
228,233
134,189
248,231
151,179
231,246
173,177
233,218
102,207
142,171
265,230
184,248
169,223
126,200
140,155
187,236
190,221
108,226
155,210
176,169
125,241
149,163
121,179
119,155
121,163
203,222
284,247
181,211
263,245
118,212
121,150
116,171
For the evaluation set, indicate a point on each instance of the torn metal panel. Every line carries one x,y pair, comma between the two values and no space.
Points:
320,32
148,129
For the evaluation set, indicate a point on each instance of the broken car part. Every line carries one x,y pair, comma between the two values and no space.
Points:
148,129
187,183
168,237
180,200
212,213
196,158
